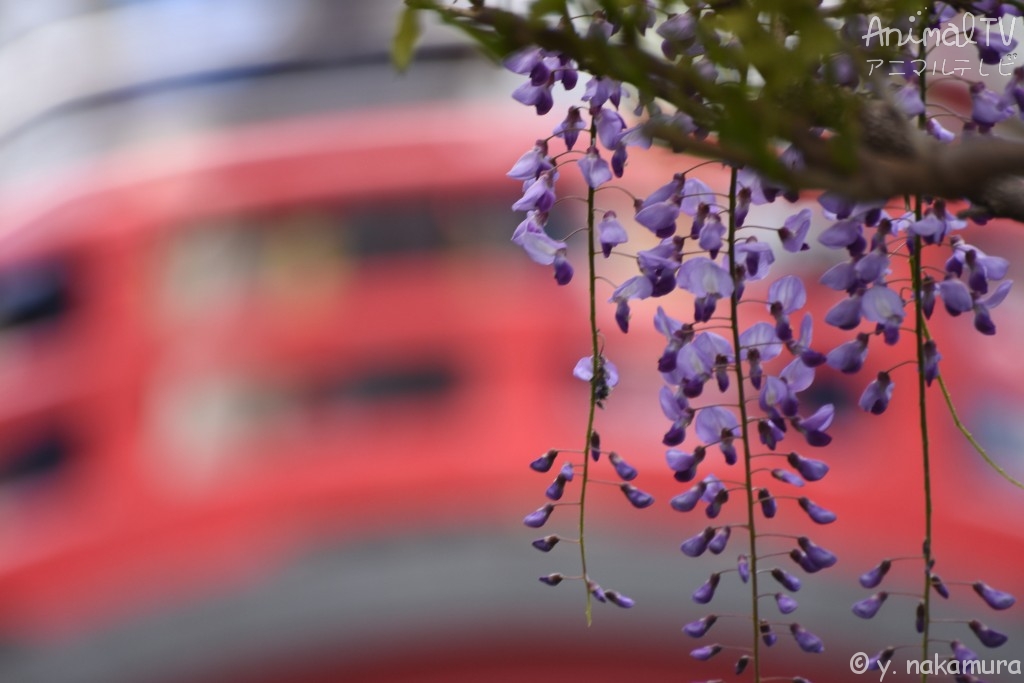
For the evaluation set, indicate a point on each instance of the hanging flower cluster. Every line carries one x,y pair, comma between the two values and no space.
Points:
738,343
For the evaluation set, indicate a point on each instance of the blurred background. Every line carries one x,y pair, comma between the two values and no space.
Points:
271,375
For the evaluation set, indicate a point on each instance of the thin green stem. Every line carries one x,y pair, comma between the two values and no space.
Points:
925,451
962,428
745,434
595,383
917,275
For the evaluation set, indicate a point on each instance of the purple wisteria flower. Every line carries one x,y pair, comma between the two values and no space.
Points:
809,469
818,555
617,598
961,652
874,576
869,606
996,599
539,194
716,424
595,170
849,356
696,545
706,592
988,108
539,517
877,395
982,320
636,287
546,544
570,128
817,513
610,233
786,295
532,163
793,232
707,281
707,652
807,641
883,306
636,497
790,582
988,637
813,428
698,628
785,603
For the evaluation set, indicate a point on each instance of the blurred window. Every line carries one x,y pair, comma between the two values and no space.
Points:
33,293
40,456
302,254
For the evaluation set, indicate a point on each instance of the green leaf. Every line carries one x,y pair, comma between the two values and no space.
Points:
406,35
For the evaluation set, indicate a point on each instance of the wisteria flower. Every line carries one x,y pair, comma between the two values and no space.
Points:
570,128
996,599
813,427
982,320
793,232
532,163
636,287
807,641
874,576
988,108
884,306
595,170
539,195
868,607
707,281
877,395
698,628
988,637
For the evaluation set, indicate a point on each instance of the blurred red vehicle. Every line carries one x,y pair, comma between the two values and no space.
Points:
267,399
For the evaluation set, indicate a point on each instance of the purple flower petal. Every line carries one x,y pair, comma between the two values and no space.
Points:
809,469
636,497
996,599
705,653
846,314
619,599
625,471
696,545
706,592
962,653
787,476
712,421
807,641
544,462
786,604
817,513
718,543
660,217
538,517
877,395
818,555
595,170
790,582
789,293
743,568
869,606
849,357
546,544
552,579
874,576
697,629
610,233
987,636
794,231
